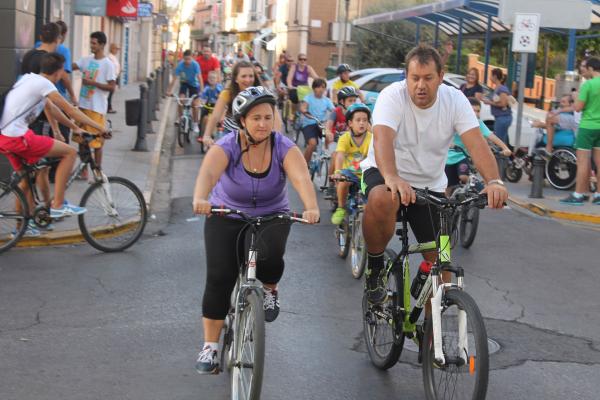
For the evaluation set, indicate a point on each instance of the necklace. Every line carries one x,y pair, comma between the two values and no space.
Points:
255,170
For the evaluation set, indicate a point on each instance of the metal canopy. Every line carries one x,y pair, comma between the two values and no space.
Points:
476,16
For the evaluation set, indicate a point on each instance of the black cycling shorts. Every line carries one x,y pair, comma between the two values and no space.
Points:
423,219
293,95
455,170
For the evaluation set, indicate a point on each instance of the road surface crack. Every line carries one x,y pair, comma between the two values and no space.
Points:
37,321
505,296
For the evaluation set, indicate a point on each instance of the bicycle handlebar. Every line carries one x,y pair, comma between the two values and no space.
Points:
425,197
292,217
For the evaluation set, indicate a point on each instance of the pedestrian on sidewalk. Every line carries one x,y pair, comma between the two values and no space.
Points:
240,56
500,107
99,78
588,134
113,56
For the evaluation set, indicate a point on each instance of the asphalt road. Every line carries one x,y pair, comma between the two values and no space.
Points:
77,324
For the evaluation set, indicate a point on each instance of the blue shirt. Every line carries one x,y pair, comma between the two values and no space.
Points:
318,108
454,157
210,95
66,53
188,74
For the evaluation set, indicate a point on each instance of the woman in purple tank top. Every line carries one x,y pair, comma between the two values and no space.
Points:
247,170
298,76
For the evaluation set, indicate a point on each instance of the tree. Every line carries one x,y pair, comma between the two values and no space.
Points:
386,45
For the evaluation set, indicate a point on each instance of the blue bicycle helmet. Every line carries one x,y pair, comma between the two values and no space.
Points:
357,107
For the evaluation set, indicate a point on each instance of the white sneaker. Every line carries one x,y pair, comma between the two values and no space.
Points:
196,128
207,362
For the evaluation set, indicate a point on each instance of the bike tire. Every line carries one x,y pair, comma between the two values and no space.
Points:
386,358
469,221
110,228
180,133
561,169
253,307
512,173
343,237
477,366
358,250
8,199
323,181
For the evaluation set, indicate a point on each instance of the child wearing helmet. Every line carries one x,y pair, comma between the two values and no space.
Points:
343,73
352,148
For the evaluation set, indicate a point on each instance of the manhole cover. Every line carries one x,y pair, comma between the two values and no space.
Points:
410,345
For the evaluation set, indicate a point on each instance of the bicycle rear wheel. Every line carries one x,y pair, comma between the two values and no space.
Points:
249,342
469,221
13,222
464,375
358,251
382,322
116,214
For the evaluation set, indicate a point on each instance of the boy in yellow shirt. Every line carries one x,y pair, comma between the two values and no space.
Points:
351,149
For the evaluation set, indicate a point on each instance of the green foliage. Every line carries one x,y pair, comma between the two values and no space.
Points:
389,46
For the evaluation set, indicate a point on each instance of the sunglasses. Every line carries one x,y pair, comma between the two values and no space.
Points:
302,59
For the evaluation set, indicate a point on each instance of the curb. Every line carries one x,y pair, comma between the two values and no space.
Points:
156,153
75,236
562,215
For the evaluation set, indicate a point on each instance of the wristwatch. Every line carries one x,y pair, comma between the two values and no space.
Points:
496,181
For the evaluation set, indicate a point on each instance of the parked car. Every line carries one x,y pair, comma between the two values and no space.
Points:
372,81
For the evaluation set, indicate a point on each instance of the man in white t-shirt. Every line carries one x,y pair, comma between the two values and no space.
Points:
99,79
26,100
414,122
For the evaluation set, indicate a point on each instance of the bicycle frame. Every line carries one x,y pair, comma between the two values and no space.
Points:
434,287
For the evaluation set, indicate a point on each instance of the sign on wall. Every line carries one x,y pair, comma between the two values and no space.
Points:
96,8
144,10
122,8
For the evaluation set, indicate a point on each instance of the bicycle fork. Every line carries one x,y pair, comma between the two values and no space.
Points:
436,306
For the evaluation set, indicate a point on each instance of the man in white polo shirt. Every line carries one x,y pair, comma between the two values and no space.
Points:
414,122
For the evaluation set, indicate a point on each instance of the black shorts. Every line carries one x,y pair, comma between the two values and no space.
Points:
311,132
423,219
455,170
188,90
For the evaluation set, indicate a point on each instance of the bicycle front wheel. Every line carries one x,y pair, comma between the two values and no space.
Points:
343,236
323,174
382,323
181,132
358,251
469,221
116,214
464,374
249,342
13,218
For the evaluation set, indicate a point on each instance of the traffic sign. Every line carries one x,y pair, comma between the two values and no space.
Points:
525,33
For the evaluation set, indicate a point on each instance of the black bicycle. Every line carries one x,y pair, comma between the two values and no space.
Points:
116,209
243,341
452,341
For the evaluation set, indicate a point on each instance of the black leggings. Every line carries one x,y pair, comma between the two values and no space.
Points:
222,248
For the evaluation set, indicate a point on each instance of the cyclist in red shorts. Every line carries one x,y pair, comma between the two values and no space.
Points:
28,97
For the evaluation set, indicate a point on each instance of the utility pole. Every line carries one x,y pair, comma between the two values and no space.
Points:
179,11
343,26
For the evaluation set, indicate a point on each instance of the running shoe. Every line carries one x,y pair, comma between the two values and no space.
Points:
338,216
271,305
207,362
573,200
66,210
376,291
596,200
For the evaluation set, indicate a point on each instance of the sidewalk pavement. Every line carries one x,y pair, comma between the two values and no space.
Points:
118,160
550,205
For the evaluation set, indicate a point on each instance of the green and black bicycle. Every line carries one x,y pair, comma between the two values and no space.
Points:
452,340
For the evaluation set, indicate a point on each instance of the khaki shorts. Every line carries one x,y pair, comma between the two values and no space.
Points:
98,118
